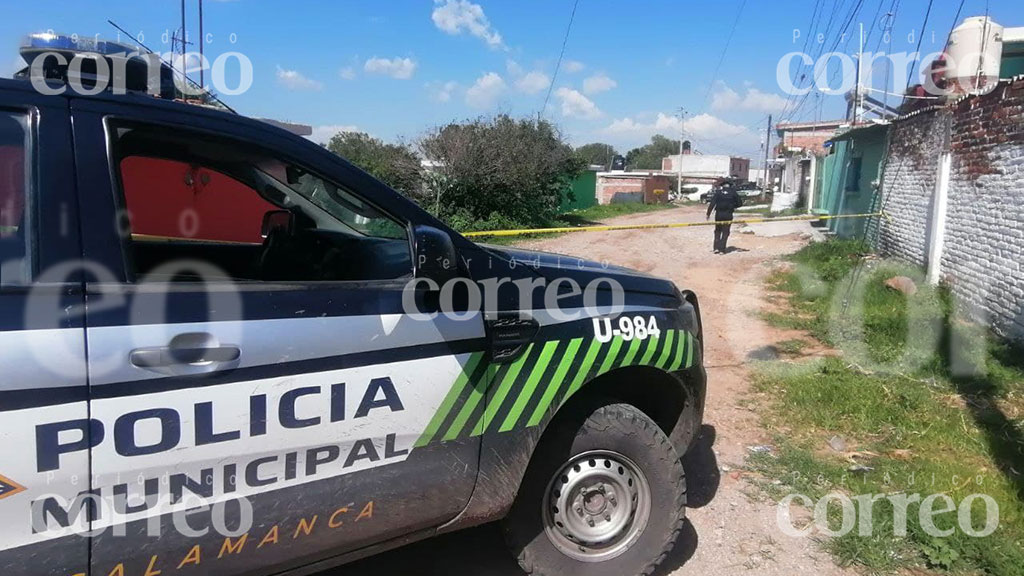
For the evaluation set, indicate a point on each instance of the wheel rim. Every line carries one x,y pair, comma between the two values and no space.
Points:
596,506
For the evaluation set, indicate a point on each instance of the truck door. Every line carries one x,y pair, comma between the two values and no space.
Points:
264,396
44,485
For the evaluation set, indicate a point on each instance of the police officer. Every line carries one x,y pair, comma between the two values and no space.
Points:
723,201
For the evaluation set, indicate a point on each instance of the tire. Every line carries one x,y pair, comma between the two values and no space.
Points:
588,466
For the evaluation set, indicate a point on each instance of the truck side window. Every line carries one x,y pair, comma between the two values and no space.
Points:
252,216
14,162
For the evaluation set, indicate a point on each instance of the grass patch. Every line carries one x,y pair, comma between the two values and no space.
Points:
925,403
593,216
601,212
793,347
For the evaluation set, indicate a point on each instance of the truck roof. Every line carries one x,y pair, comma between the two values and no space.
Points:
141,100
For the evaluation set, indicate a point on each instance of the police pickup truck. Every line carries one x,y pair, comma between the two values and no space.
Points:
225,350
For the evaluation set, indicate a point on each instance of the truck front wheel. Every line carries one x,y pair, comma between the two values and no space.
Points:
603,497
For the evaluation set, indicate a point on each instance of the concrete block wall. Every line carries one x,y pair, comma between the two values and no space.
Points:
983,249
908,184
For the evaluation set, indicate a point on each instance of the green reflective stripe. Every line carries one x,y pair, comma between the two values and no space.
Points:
449,400
531,385
475,395
652,347
556,382
666,352
680,355
506,384
584,370
609,360
689,353
634,347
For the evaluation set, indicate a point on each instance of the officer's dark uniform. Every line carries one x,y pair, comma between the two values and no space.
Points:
723,202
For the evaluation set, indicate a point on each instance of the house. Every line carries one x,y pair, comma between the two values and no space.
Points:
700,172
707,166
633,187
850,177
796,170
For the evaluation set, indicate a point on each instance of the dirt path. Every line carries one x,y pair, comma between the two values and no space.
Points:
728,532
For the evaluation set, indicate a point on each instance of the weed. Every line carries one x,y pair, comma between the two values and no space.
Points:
905,434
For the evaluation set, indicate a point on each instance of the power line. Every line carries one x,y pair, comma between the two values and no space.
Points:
561,55
855,10
815,18
920,40
721,58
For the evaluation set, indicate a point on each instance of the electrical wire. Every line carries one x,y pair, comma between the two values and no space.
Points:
721,58
842,31
561,55
920,40
815,19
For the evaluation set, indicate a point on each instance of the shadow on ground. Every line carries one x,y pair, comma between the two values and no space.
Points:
482,552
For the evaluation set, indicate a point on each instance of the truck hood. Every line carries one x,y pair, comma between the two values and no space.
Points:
553,266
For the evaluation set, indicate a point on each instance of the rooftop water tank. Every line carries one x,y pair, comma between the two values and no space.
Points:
974,53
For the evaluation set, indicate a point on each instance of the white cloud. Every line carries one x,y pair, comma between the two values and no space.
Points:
598,83
294,80
573,66
576,105
485,92
442,92
726,98
323,134
458,16
698,127
398,68
709,134
533,82
347,73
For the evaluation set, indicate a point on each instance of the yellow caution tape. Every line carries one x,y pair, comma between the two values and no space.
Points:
664,226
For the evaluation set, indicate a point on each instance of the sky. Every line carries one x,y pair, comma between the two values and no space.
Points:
397,69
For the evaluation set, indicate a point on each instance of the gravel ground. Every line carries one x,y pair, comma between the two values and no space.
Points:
728,532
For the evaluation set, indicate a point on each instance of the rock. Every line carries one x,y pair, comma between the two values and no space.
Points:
902,284
747,230
837,443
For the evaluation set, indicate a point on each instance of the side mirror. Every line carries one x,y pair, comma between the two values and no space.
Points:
436,257
277,219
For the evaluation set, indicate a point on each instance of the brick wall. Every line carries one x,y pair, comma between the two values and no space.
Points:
983,255
619,190
983,259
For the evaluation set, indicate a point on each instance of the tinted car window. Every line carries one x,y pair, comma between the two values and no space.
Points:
14,160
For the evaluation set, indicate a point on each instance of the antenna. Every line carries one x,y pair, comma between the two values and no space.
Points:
171,66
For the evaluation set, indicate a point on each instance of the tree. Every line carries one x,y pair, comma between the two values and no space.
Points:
396,165
597,153
499,170
649,157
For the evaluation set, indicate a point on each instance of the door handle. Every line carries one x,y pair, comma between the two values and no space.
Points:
168,356
194,349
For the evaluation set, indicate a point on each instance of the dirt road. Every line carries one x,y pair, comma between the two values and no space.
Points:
727,532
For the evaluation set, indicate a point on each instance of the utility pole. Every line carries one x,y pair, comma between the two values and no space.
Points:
860,75
767,149
202,40
679,166
183,35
